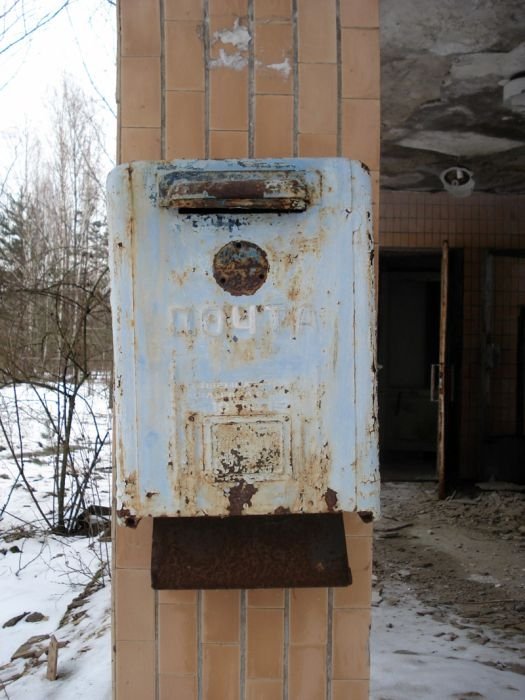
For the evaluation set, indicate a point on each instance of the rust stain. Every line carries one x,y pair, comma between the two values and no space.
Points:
240,268
239,496
130,520
330,497
222,191
366,516
241,448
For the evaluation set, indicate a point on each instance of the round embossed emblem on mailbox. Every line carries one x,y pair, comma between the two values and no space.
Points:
240,268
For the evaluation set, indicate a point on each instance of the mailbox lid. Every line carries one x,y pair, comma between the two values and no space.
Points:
243,393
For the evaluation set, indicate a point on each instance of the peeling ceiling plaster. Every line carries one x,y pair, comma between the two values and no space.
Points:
443,67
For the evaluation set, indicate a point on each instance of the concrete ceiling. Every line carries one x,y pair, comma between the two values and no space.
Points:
443,67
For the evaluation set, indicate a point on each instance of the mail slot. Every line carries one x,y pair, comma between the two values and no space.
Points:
244,338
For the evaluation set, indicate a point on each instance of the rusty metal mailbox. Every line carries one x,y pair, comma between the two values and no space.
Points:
244,339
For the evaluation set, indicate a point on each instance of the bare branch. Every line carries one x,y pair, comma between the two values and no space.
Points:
29,30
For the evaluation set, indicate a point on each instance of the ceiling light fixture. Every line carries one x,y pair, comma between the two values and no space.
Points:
458,181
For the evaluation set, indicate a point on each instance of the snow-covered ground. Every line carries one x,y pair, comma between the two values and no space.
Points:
415,657
62,583
65,580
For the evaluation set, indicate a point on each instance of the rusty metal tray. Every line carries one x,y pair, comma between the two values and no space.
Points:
276,551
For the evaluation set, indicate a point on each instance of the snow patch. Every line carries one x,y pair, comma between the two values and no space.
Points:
238,37
236,61
284,68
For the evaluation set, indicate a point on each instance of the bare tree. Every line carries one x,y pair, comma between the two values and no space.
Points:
19,19
54,292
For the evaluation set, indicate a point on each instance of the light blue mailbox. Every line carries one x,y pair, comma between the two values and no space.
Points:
244,326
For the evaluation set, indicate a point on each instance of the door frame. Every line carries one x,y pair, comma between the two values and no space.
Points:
450,346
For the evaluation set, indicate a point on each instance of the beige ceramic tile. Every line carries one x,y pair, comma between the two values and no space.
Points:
350,690
140,91
307,673
308,615
221,47
221,672
225,8
272,9
134,605
318,98
356,527
359,13
133,545
273,126
221,616
135,671
177,639
140,28
360,69
228,99
266,598
184,9
317,31
184,56
177,597
264,690
265,635
359,593
361,125
350,644
273,58
185,125
172,687
228,144
317,145
140,144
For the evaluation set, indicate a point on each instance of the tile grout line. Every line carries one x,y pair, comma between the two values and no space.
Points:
118,145
251,81
286,645
242,669
157,647
206,46
162,80
199,645
295,35
329,644
339,97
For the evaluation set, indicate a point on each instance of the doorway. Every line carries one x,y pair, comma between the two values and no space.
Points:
503,440
411,369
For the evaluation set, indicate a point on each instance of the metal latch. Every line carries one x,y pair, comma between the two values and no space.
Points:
260,190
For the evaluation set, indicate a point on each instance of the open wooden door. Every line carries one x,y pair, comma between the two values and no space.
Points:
442,378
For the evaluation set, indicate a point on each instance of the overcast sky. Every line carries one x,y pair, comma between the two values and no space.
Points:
80,41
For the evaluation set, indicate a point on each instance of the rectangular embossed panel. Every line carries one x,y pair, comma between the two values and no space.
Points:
244,346
237,447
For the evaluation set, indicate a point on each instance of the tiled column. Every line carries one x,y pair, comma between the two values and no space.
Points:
139,83
273,79
183,81
229,79
228,39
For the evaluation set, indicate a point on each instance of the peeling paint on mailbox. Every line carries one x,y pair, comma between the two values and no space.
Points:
244,327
